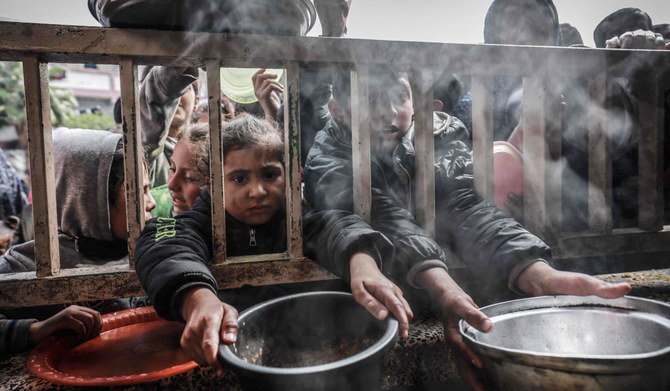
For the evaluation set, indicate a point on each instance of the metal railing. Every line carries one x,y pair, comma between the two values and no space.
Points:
37,45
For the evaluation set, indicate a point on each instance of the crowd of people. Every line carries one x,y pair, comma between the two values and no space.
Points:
389,262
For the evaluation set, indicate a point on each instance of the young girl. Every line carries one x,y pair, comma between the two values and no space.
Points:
173,253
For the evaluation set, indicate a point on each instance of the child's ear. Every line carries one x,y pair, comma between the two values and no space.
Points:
437,105
336,111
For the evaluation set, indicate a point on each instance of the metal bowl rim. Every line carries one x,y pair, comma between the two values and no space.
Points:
533,303
231,358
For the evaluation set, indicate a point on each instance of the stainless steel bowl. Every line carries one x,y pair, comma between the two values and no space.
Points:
272,17
575,343
310,341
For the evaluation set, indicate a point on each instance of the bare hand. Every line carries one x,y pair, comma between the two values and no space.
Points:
208,320
269,93
376,293
454,305
540,279
638,39
85,322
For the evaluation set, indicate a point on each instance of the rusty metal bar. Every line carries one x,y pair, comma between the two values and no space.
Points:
599,159
132,152
360,142
650,152
422,85
534,154
482,135
292,153
216,161
42,177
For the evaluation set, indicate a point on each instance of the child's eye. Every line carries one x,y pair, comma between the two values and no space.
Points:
191,179
239,179
172,170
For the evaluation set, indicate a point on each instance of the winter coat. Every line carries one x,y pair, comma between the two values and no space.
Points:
173,254
489,242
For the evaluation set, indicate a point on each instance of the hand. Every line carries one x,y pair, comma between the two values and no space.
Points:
638,39
85,322
455,304
376,293
269,93
207,319
540,279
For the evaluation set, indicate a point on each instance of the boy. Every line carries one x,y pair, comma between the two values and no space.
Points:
494,246
173,254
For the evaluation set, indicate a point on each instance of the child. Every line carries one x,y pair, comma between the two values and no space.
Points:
8,229
189,173
173,254
91,199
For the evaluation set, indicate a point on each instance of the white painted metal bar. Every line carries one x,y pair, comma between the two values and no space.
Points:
534,153
42,177
422,86
216,161
292,160
482,135
132,149
360,142
599,159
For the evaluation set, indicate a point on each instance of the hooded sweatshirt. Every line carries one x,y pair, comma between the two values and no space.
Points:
82,162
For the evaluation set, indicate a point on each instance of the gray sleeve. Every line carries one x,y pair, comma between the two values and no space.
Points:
160,92
14,334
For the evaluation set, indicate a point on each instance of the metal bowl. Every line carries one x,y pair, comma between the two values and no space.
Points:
310,341
271,17
575,343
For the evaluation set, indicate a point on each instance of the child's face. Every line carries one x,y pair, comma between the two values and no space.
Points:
5,243
254,185
391,111
184,180
117,211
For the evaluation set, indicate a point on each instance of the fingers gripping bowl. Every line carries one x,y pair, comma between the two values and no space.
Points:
310,341
571,342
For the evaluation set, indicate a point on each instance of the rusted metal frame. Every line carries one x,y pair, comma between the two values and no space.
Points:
534,153
132,152
40,151
218,206
292,154
599,158
96,283
360,142
422,86
482,135
624,242
96,44
650,153
553,158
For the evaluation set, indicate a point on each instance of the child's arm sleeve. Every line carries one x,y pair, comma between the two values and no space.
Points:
14,334
160,92
172,257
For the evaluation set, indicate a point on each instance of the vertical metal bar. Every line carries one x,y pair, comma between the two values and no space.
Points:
422,86
360,142
650,164
482,135
292,153
42,177
534,206
599,159
218,205
132,152
553,167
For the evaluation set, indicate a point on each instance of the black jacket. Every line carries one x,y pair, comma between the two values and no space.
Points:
173,254
488,241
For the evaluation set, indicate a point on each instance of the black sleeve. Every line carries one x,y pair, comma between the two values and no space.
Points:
486,239
331,237
172,256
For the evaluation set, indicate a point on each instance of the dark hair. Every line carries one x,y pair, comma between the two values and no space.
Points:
380,76
614,24
448,89
248,131
495,22
571,35
663,29
118,118
117,172
197,137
